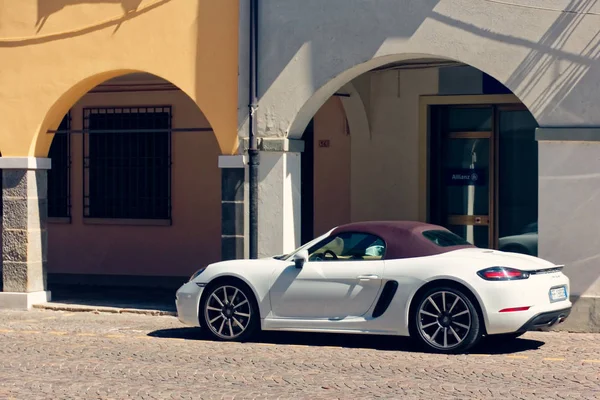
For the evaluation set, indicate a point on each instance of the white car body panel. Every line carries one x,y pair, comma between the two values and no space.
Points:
332,296
331,290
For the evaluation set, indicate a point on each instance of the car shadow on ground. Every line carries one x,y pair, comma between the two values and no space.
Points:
374,342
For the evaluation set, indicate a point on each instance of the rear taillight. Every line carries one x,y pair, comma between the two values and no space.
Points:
502,274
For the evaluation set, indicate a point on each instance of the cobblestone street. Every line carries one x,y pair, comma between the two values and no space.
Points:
60,355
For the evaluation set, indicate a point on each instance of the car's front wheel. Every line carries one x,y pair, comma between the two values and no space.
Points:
228,311
445,320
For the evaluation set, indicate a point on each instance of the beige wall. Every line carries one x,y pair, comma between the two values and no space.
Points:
385,163
379,177
193,239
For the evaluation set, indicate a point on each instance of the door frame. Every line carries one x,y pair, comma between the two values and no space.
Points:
496,127
490,219
500,101
425,103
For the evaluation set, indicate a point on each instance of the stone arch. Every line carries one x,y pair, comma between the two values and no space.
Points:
42,140
311,105
368,129
184,188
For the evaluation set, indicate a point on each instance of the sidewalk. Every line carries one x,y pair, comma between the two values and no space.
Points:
151,301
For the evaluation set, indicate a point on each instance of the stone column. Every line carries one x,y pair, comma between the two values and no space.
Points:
24,235
279,197
569,226
232,206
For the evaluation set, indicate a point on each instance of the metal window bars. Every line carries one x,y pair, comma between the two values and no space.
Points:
127,162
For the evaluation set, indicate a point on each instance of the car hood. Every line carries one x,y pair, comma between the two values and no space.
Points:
503,259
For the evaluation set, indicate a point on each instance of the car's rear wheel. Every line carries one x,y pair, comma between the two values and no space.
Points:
445,320
228,311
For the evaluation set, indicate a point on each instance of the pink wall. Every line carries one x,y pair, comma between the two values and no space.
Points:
193,239
331,167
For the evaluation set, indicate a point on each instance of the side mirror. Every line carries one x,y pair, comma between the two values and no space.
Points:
300,258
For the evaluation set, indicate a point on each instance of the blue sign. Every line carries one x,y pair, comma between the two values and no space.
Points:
466,176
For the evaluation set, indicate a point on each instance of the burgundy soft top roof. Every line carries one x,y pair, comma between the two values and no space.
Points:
403,239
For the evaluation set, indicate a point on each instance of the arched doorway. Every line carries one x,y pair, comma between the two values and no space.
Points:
134,193
424,139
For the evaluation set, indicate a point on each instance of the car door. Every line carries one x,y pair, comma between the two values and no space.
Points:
342,278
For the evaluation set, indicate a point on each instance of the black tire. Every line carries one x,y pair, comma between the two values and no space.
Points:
427,321
240,310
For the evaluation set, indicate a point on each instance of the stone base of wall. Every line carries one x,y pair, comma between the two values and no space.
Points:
232,206
584,317
23,301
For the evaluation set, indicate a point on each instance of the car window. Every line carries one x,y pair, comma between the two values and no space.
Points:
444,238
348,247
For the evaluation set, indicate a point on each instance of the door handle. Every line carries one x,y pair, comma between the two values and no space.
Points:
367,277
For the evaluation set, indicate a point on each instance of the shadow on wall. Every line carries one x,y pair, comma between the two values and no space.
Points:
546,54
551,78
46,8
49,7
537,63
283,34
275,57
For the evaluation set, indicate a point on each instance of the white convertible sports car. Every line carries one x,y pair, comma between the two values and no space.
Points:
389,278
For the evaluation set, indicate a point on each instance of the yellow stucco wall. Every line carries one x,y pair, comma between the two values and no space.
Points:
53,51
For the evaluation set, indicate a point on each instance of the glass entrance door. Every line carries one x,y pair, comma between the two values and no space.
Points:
468,181
463,176
484,177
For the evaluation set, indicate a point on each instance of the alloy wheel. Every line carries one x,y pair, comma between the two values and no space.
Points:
444,320
227,312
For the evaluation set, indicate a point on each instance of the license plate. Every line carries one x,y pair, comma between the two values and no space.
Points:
558,293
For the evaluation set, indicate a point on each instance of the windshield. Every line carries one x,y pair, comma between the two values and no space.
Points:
304,246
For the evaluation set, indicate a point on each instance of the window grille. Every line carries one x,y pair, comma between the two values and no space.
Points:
59,176
127,162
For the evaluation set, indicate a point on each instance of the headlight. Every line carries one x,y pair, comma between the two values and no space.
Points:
195,275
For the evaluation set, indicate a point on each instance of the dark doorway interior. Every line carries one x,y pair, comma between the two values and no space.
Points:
307,184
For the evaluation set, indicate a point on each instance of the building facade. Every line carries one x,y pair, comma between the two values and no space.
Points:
115,117
478,115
